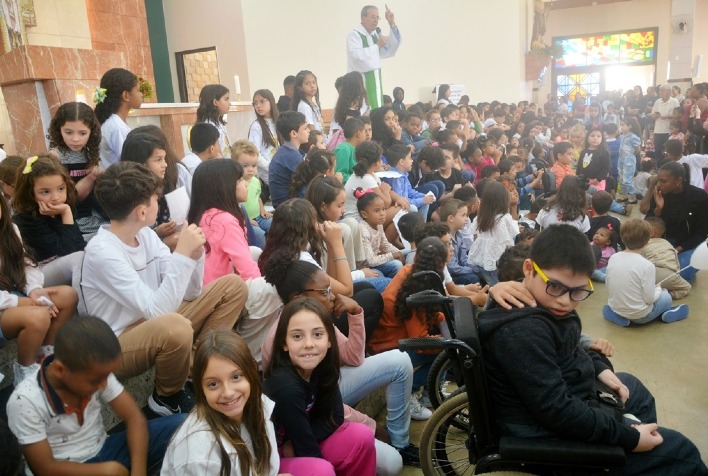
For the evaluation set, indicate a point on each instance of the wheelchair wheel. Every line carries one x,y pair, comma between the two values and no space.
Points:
443,443
442,381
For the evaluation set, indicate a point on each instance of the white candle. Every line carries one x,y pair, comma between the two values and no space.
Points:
237,83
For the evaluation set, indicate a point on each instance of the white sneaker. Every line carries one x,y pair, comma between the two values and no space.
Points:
20,372
418,411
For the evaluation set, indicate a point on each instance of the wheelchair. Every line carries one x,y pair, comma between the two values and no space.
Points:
461,438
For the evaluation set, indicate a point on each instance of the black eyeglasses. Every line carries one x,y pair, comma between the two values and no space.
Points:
556,289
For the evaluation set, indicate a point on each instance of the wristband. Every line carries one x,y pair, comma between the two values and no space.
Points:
344,258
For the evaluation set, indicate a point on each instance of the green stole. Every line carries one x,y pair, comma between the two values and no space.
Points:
372,79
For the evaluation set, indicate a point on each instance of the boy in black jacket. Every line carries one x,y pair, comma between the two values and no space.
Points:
542,382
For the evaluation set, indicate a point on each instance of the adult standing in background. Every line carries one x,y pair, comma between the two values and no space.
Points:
366,46
662,112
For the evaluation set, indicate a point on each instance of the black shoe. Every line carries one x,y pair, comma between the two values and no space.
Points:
180,402
410,455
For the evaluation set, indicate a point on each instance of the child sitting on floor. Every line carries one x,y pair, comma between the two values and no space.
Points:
56,414
665,259
632,295
380,254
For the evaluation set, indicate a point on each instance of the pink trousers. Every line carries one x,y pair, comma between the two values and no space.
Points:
349,451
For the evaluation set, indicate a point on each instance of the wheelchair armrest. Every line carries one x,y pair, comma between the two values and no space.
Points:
561,452
422,343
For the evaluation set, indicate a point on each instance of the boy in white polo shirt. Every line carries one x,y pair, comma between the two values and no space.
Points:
56,412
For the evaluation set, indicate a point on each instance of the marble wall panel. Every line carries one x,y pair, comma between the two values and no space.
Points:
24,112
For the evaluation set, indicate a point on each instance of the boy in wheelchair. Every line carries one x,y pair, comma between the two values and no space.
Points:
542,384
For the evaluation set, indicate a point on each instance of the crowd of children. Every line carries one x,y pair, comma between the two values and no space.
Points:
308,244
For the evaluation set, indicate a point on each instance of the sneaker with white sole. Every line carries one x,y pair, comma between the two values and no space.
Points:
675,314
180,402
20,372
418,411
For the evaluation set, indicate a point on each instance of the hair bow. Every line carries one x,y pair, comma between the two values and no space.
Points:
359,192
609,226
28,167
99,95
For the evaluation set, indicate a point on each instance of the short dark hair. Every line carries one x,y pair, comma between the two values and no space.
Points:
351,126
9,168
563,247
601,202
674,148
396,153
202,136
610,128
289,80
85,341
408,224
465,194
365,9
447,110
504,165
489,170
432,228
123,186
510,263
432,156
657,225
289,121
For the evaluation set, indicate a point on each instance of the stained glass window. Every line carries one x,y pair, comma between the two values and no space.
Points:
570,85
633,47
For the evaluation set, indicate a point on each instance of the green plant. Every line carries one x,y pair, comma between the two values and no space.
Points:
554,50
145,88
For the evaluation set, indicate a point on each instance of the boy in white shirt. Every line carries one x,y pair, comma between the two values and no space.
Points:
632,295
56,413
153,300
204,141
696,162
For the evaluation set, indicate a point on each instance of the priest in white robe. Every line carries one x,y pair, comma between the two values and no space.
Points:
367,46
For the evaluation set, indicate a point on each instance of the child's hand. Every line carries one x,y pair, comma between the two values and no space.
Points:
254,223
602,346
191,241
609,378
428,199
480,298
649,437
345,304
330,232
404,203
43,297
385,187
474,287
399,256
508,293
339,177
371,273
50,210
266,214
166,229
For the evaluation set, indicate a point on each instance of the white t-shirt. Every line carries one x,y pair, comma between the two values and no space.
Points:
193,450
122,284
191,161
550,217
266,153
113,134
661,126
354,182
312,114
631,291
32,419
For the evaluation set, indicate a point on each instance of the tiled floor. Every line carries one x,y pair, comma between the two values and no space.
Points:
671,360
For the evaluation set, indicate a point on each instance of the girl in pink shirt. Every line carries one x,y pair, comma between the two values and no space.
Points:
218,187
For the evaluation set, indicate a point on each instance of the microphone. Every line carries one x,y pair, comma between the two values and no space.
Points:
378,31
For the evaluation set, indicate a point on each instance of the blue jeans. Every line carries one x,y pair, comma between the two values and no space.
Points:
599,275
389,268
260,237
489,277
467,278
684,257
435,186
661,305
422,363
392,369
263,223
379,283
160,431
627,167
618,208
423,210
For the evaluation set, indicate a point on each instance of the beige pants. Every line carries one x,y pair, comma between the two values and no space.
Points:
675,285
167,341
